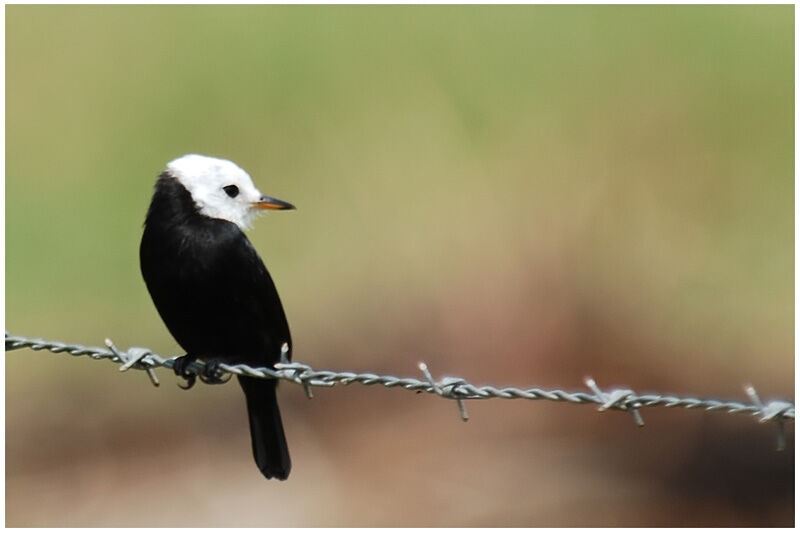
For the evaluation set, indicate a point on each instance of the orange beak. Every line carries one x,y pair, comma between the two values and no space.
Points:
267,202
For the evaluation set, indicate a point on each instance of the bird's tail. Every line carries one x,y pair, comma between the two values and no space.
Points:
266,430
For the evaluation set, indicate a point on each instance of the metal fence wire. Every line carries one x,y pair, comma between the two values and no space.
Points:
458,389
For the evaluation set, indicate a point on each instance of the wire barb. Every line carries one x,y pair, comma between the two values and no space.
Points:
297,373
450,387
447,389
616,399
133,357
773,411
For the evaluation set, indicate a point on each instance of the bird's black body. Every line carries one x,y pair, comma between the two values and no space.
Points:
219,302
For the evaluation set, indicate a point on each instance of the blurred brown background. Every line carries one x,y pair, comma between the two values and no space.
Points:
516,195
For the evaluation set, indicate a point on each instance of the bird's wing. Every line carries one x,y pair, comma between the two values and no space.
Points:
247,287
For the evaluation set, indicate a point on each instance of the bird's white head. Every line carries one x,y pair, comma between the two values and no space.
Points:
221,189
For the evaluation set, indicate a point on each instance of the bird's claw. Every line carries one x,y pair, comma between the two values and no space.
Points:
180,366
212,374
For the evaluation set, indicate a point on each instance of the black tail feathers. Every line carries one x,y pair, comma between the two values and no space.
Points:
266,430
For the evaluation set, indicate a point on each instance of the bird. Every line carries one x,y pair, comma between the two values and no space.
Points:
212,290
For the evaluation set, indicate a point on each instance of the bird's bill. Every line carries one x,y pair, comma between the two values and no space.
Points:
267,202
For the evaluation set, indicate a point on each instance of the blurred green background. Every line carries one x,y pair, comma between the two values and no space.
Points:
516,195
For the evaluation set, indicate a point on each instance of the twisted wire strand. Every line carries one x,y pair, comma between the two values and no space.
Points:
453,388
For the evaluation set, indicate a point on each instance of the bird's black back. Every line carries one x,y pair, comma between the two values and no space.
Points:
208,283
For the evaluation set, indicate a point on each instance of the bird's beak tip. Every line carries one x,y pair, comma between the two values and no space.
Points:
267,202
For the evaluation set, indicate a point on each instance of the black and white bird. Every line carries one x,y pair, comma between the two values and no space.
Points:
212,290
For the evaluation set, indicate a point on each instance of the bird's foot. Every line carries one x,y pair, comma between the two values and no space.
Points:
212,374
181,368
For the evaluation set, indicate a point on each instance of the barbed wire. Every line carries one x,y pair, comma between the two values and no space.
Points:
458,389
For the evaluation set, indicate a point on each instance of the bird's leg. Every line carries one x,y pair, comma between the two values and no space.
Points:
212,374
180,366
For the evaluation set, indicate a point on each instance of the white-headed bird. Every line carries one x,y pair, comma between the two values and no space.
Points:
211,288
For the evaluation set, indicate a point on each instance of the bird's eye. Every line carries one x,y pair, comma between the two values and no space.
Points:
231,190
